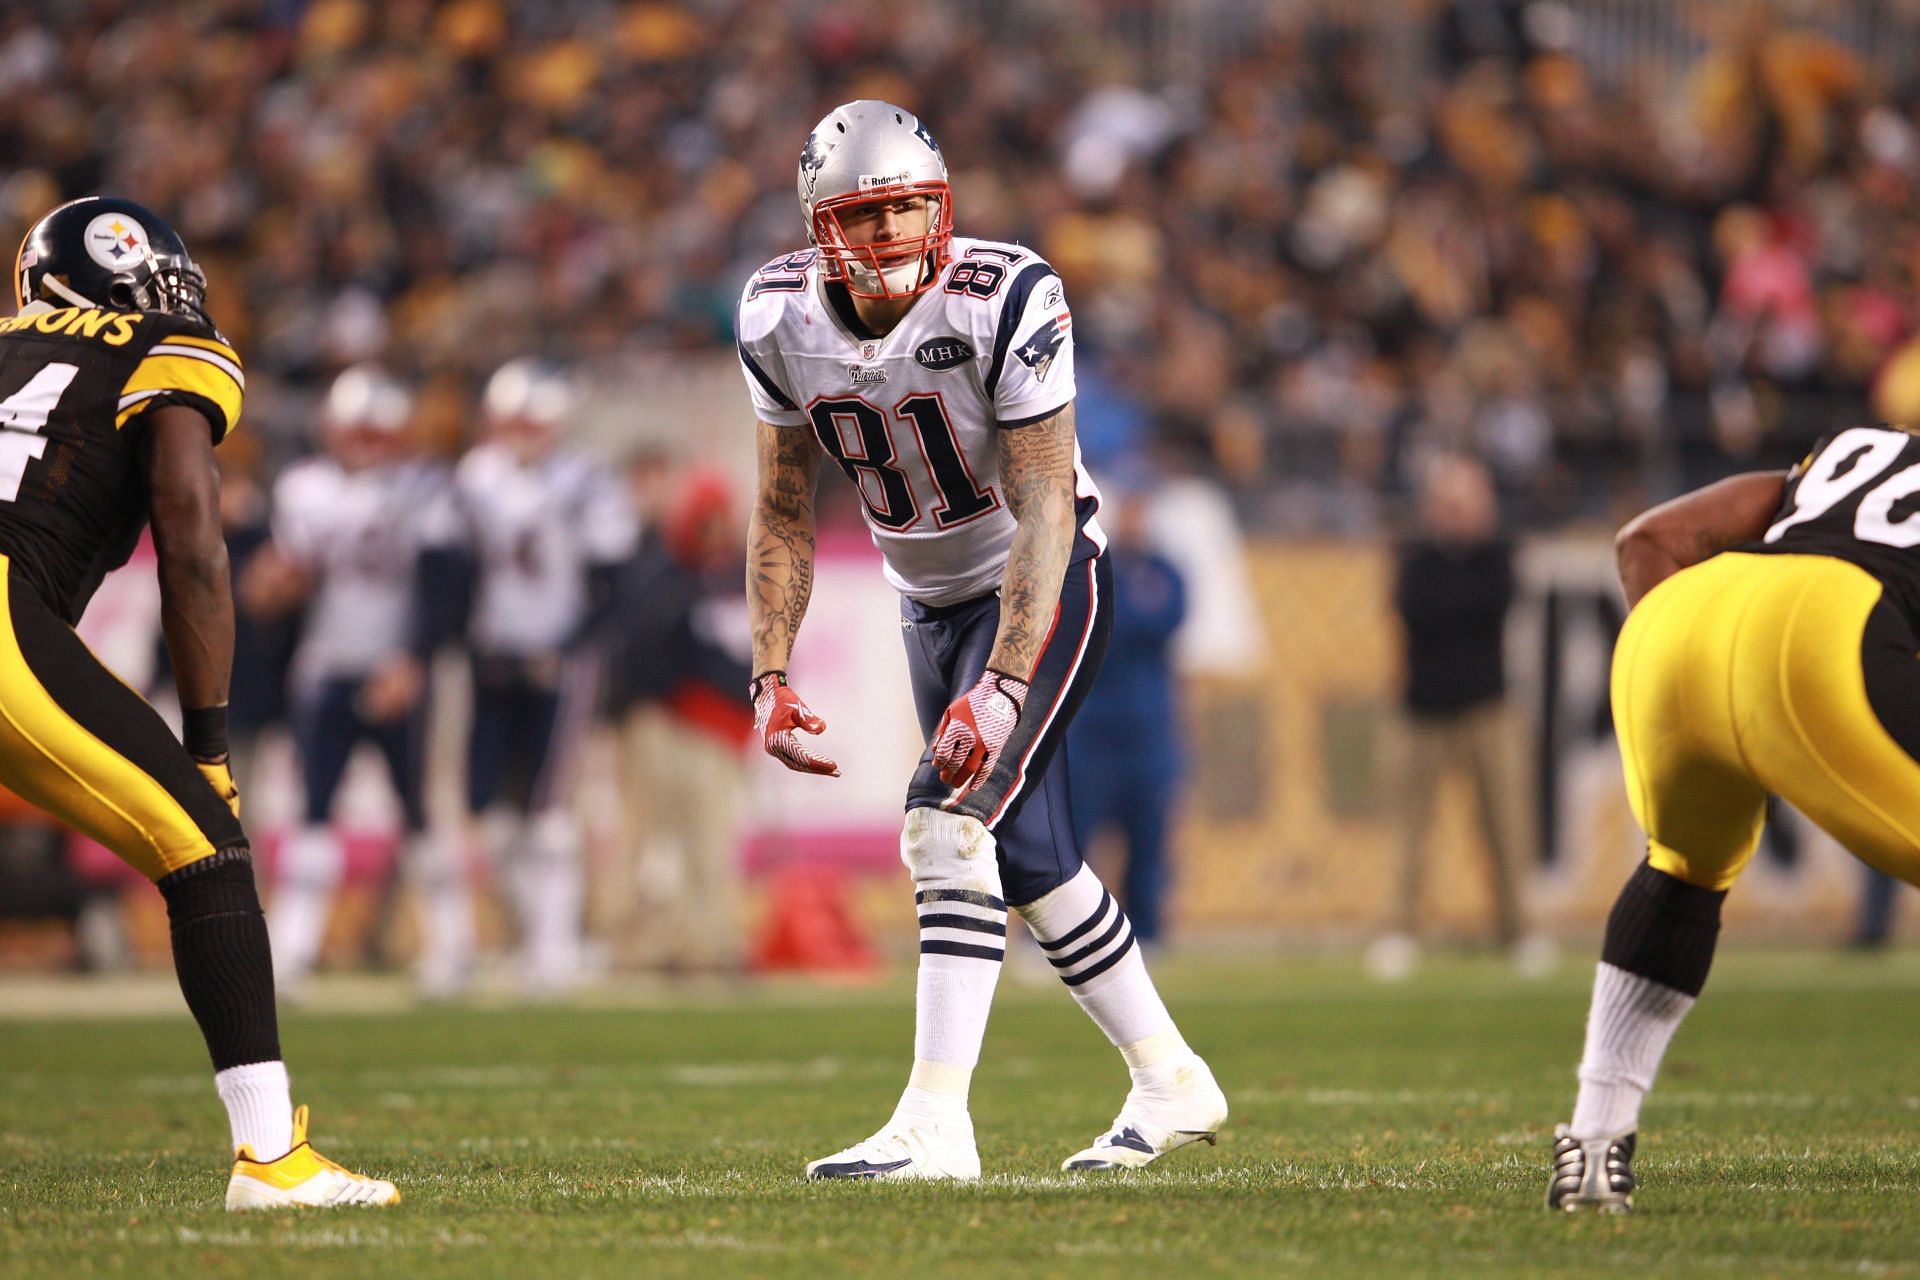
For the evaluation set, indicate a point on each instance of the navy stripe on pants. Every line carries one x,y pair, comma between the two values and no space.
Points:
1024,802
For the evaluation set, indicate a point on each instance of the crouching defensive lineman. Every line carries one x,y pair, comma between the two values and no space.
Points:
1770,650
938,375
114,389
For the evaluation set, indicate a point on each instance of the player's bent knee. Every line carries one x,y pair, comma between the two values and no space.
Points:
937,845
218,884
1664,929
1717,878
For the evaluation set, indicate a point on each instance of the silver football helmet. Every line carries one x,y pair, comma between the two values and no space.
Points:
527,403
365,417
870,153
366,397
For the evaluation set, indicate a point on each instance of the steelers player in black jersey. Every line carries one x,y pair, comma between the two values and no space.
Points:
114,390
1770,650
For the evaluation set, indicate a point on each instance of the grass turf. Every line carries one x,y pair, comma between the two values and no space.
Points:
1397,1131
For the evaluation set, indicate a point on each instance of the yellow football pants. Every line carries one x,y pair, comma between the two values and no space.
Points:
80,744
1754,674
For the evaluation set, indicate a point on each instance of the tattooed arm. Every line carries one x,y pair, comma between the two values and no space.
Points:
1036,472
1659,543
780,543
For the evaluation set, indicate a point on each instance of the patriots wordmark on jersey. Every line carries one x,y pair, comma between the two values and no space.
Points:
910,415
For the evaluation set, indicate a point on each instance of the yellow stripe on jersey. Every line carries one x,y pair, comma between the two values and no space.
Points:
172,366
218,348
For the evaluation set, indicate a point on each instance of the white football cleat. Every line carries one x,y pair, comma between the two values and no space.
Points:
1152,1123
907,1147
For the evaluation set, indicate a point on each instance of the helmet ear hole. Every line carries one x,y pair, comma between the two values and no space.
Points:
122,295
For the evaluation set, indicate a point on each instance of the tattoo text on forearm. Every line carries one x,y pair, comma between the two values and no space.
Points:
780,544
1037,474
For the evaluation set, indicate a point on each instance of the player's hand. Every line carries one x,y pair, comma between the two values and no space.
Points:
391,692
219,776
975,729
781,717
272,585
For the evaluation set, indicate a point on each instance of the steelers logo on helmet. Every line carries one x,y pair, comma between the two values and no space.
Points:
116,241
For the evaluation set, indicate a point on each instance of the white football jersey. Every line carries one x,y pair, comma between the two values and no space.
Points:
360,535
536,529
910,417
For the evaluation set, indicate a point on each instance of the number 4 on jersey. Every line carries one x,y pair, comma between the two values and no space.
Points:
22,415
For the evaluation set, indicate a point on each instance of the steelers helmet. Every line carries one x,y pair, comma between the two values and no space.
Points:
102,251
869,153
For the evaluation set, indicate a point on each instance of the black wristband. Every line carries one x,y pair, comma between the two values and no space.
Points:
753,689
204,731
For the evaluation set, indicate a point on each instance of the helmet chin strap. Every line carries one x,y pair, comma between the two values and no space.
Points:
56,287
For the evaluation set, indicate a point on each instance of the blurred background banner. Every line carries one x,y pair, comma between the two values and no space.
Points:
1601,251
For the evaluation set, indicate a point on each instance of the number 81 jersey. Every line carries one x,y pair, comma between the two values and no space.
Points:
910,416
1856,497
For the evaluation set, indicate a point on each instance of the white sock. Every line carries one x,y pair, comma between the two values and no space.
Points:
963,943
1628,1029
259,1108
552,897
310,865
438,873
1089,941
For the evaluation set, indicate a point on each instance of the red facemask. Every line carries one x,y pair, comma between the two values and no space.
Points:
863,268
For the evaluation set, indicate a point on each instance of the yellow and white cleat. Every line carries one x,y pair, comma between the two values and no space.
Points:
302,1178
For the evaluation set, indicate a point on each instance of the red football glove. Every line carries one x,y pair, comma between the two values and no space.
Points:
781,717
975,729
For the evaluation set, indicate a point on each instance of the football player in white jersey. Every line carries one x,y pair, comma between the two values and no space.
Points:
358,532
549,528
937,374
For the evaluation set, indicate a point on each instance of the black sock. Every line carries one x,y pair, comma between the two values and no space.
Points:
221,958
1664,929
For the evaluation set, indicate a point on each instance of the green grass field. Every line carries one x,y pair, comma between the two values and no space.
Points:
1377,1131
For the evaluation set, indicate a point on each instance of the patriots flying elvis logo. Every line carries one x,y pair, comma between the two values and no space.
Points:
1037,352
813,158
925,135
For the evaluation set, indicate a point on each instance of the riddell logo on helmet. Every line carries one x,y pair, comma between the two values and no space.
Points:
872,182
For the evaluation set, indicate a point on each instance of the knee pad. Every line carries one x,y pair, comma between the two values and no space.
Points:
950,848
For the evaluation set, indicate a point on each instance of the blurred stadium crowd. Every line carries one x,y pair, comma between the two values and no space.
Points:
1612,247
1307,242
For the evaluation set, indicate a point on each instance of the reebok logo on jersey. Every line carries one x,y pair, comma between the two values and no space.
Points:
942,353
